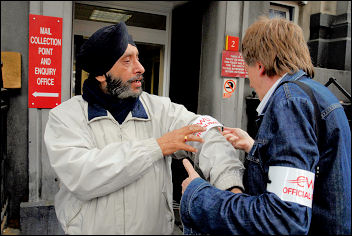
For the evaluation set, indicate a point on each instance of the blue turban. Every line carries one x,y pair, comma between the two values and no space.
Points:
101,51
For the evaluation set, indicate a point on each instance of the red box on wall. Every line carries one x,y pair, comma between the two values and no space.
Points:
232,43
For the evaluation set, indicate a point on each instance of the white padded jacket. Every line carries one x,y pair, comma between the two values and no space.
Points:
114,178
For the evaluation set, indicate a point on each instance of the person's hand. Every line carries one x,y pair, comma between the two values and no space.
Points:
176,140
238,138
192,174
236,190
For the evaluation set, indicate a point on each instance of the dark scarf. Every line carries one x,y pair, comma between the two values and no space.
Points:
119,108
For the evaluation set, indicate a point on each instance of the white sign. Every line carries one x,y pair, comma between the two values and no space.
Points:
228,88
292,184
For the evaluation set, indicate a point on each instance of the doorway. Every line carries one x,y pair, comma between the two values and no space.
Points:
149,23
149,31
150,56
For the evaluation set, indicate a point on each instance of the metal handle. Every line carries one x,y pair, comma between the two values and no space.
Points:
334,81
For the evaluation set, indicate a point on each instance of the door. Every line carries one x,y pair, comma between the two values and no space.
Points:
149,31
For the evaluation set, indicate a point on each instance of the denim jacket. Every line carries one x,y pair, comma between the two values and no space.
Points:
286,138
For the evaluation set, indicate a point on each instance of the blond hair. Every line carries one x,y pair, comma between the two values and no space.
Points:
279,45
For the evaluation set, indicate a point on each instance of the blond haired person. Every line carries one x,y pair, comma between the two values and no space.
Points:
302,148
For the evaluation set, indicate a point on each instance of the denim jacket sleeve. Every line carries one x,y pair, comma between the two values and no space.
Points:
286,138
206,209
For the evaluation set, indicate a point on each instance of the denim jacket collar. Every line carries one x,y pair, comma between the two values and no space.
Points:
268,94
287,77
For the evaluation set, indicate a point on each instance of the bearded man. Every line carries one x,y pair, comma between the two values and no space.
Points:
112,147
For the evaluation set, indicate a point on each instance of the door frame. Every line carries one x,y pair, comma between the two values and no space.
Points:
145,35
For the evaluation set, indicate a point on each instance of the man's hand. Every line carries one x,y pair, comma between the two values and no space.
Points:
176,140
236,190
192,174
238,138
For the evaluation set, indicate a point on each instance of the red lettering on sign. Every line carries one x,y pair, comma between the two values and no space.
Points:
310,184
299,193
205,122
301,181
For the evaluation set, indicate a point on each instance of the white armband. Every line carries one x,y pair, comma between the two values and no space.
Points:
207,122
291,184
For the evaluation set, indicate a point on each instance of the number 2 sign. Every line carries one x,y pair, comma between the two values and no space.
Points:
232,43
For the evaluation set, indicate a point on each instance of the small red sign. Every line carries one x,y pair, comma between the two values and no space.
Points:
44,68
232,65
232,43
229,86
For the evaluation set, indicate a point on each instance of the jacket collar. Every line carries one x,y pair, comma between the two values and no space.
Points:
287,77
295,76
100,103
95,111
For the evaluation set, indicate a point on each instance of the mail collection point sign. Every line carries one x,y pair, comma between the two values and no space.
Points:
44,69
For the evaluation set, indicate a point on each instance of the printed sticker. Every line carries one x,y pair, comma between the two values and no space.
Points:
207,122
292,184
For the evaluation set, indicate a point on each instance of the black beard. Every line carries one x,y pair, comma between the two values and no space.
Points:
119,89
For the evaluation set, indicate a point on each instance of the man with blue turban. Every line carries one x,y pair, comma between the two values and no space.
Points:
112,147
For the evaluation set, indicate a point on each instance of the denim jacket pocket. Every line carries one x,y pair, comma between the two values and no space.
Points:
255,177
